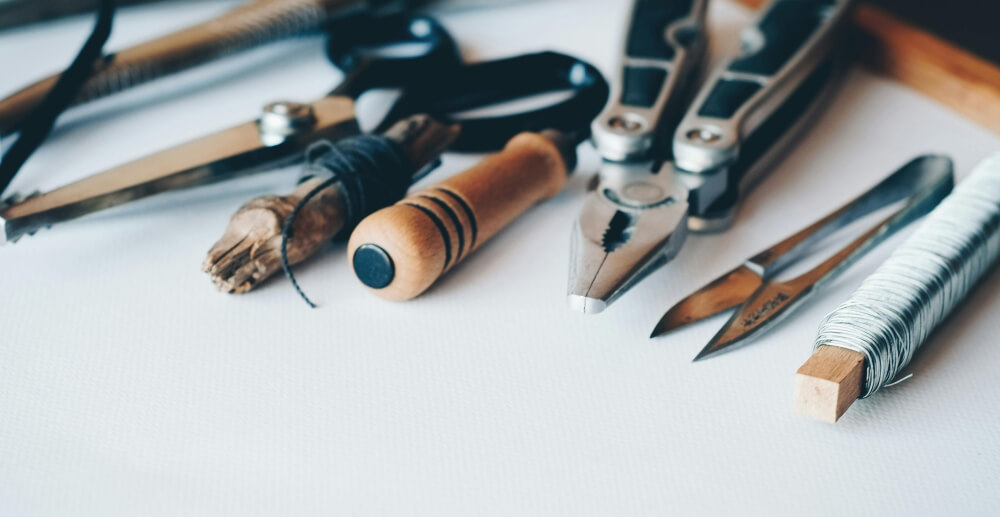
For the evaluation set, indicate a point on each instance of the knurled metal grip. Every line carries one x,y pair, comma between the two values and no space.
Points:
245,27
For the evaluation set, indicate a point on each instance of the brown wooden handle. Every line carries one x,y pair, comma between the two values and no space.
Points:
242,28
400,251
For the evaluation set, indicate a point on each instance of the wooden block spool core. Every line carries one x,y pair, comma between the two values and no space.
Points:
828,383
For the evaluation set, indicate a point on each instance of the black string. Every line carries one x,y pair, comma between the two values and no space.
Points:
373,172
37,126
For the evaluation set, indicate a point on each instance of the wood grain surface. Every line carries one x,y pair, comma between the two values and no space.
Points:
429,232
828,383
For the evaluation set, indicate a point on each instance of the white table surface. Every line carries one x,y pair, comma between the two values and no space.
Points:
129,386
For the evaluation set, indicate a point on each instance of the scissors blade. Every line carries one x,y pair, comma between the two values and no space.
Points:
223,155
764,309
723,293
773,301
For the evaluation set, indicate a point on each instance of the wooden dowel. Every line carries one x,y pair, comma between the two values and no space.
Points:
828,383
400,251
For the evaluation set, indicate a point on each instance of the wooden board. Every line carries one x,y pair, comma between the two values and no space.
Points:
945,50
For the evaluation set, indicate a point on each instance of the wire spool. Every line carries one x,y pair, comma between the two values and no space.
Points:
896,308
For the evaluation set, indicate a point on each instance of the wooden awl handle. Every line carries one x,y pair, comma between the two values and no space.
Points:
400,251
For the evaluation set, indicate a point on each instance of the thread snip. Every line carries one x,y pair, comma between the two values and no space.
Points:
895,309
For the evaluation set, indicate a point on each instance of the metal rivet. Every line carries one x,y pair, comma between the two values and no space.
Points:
704,135
624,124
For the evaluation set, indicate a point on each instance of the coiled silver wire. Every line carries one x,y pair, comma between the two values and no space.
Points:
894,310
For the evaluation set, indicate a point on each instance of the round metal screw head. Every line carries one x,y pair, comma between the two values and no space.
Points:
624,124
292,111
282,119
704,135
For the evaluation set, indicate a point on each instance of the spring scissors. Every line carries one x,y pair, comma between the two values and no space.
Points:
647,198
281,135
761,302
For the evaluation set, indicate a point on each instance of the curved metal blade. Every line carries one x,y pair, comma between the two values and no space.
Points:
217,157
723,293
763,310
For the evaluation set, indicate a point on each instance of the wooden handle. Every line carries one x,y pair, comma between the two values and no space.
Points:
242,28
828,383
400,251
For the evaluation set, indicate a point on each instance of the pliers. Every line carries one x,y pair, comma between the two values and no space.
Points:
650,193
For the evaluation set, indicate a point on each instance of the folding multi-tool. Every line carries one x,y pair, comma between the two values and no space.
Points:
650,193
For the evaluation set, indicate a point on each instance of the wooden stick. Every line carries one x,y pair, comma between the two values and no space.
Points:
400,251
828,383
945,72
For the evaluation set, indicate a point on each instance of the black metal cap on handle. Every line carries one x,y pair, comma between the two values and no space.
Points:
373,266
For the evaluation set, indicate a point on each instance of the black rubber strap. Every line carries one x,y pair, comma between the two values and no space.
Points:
38,124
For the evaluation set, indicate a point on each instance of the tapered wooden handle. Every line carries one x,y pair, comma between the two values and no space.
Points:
400,251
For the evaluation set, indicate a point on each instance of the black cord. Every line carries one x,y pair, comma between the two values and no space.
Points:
37,126
372,171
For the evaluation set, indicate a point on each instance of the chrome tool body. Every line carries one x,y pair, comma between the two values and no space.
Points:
762,302
650,193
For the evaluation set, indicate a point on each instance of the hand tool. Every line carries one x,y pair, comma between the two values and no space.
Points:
279,137
400,251
638,214
248,251
865,344
763,302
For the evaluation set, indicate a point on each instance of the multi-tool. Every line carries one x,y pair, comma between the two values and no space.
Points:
649,193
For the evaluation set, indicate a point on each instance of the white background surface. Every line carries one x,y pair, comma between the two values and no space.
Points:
129,386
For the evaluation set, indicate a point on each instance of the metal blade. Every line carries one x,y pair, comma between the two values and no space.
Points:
762,311
224,155
721,294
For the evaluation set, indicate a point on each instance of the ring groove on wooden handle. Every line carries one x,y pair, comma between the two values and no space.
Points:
400,251
469,214
445,234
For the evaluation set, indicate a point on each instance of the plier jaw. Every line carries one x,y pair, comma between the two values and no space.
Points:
633,221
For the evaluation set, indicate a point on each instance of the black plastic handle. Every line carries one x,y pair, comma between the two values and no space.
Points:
490,83
780,34
361,45
647,40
